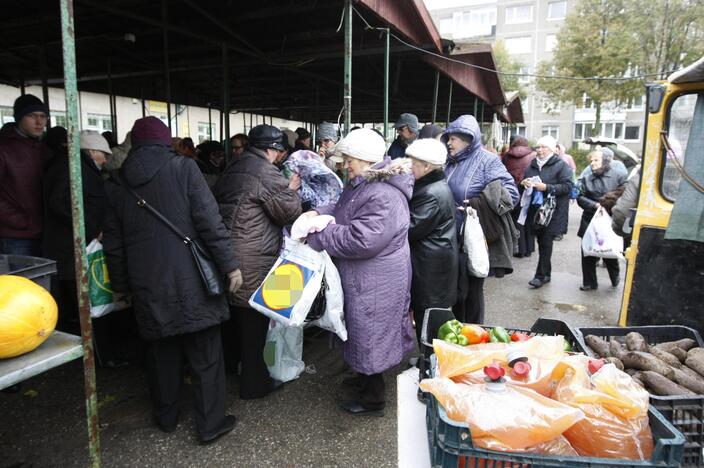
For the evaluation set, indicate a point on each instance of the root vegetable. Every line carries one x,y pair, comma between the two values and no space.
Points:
616,348
660,385
687,381
666,357
598,345
685,343
695,360
636,376
636,342
673,349
616,362
646,362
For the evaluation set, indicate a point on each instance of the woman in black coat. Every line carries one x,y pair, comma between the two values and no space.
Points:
593,185
556,180
431,235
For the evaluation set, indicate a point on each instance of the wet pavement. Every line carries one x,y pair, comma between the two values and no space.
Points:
44,423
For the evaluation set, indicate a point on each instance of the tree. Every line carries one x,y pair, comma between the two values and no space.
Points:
594,41
507,64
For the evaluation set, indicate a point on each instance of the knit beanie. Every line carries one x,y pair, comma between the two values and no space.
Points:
363,144
150,130
26,104
326,131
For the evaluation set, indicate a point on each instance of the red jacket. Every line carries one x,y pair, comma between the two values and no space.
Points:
22,161
516,160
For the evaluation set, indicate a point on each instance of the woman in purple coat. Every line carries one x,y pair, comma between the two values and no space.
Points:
369,244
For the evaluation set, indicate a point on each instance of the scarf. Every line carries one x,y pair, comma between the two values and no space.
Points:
542,162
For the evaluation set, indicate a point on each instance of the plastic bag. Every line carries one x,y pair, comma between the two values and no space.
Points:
102,299
319,184
289,290
511,419
475,245
334,317
283,351
600,240
616,421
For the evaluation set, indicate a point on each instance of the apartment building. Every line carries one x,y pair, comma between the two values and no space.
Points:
529,30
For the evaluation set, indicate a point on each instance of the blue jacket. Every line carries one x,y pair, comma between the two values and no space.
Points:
469,171
397,149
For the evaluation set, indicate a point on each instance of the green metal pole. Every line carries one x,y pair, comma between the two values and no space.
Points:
347,96
387,51
167,69
435,96
476,102
79,245
481,114
226,101
449,104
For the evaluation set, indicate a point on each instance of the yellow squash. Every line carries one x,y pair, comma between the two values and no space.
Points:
28,315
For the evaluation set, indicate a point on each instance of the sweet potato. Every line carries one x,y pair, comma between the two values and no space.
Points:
687,381
673,349
666,357
685,343
646,362
616,348
636,342
616,362
692,373
598,345
660,385
695,360
636,376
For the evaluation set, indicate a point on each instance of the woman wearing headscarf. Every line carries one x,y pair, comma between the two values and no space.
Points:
369,244
470,168
593,185
432,234
555,180
517,159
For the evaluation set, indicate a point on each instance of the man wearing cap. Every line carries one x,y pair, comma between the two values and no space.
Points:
407,128
327,138
256,202
175,315
22,161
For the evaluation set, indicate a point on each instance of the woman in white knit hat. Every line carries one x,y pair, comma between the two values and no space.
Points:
432,234
369,243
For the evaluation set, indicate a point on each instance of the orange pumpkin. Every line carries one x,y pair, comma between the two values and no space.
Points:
28,315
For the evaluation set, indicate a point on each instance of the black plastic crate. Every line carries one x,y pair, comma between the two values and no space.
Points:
37,269
449,441
686,413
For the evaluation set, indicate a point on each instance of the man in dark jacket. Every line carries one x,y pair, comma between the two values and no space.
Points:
174,313
407,128
256,202
22,161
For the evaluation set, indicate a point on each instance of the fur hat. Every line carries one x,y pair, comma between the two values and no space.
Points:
408,120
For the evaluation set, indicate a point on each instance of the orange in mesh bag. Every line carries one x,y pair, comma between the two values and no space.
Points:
544,353
616,421
507,418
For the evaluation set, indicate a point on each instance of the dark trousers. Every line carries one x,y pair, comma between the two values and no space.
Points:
164,364
589,270
545,240
526,241
11,246
231,343
470,295
372,394
252,326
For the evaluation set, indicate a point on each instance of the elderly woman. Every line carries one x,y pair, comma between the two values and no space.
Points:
432,234
470,168
369,244
555,180
593,185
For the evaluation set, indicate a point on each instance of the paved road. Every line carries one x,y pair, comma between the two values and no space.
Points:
43,424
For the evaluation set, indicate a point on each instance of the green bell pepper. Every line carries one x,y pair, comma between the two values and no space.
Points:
462,340
451,338
567,345
501,335
451,327
492,337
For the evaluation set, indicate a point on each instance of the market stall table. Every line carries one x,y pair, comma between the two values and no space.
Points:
58,349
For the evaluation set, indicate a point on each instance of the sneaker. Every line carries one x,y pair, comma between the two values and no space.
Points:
536,283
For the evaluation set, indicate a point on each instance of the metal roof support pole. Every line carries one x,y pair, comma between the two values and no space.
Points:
113,126
81,264
244,123
476,108
210,123
481,114
167,73
435,96
347,96
387,52
22,90
45,86
449,104
226,100
221,125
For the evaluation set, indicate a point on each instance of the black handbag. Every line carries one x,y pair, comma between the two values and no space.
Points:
544,214
208,271
318,308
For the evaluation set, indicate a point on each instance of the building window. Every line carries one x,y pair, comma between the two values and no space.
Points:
479,22
58,119
635,103
100,123
550,42
585,102
551,130
518,45
579,131
203,134
6,115
618,130
524,71
519,14
632,132
557,10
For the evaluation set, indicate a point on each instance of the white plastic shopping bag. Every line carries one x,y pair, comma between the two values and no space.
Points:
334,317
600,240
102,299
475,245
289,290
283,351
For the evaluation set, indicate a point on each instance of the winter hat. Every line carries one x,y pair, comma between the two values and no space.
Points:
265,136
150,130
408,120
430,131
428,150
327,131
207,148
56,138
547,141
302,133
92,140
26,104
291,137
363,144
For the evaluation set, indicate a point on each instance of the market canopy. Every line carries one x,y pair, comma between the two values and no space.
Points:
284,58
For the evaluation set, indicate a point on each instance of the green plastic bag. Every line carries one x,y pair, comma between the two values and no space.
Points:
102,299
